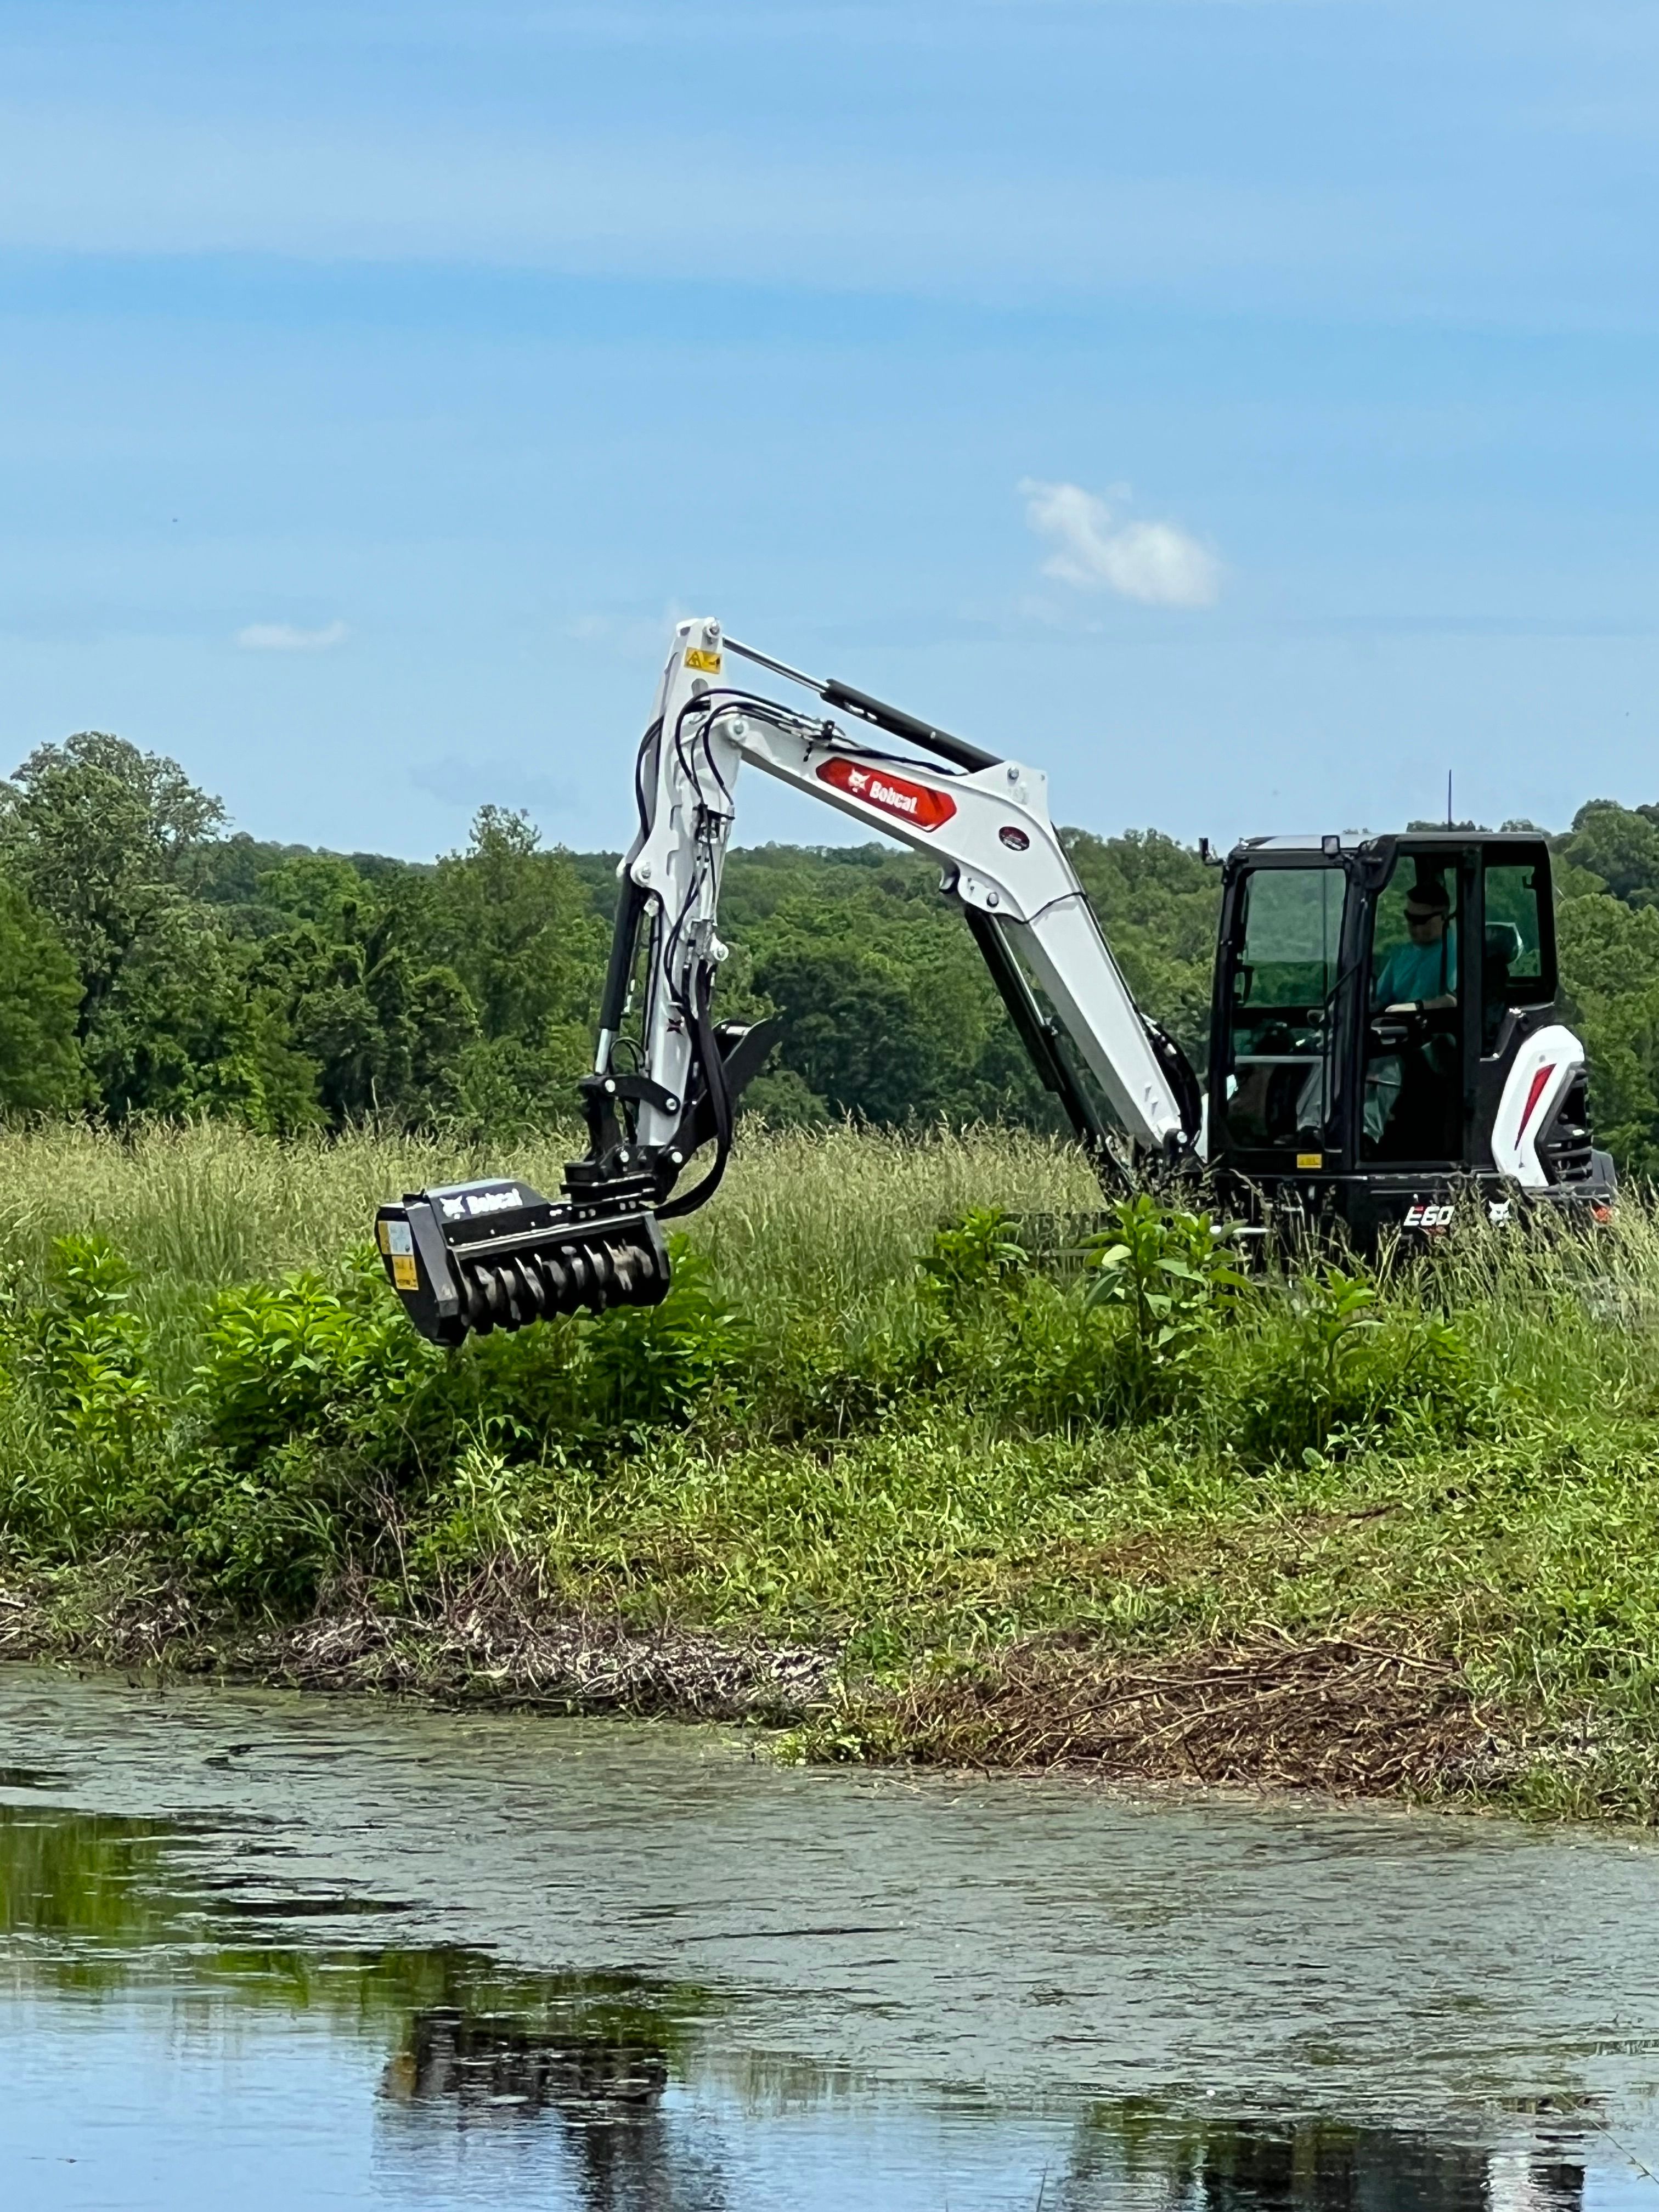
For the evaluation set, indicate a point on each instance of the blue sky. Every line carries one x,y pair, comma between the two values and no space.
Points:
1246,412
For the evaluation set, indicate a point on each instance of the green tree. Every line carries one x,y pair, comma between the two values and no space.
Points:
385,1036
1158,905
99,834
507,929
99,837
40,1066
108,842
1618,847
886,1013
1609,955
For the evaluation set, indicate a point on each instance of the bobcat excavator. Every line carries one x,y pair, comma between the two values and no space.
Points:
1383,1037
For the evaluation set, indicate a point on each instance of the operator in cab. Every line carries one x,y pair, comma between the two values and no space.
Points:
1412,1090
1423,971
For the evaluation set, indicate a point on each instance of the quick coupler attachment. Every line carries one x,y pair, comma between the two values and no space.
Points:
497,1254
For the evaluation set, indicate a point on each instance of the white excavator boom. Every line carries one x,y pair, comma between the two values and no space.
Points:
985,820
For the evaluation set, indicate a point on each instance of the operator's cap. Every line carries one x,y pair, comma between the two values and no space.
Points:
1427,896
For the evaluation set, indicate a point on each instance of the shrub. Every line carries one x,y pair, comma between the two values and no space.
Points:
1068,1365
824,1374
1166,1275
972,1282
487,1510
304,1356
267,1536
1333,1364
653,1364
520,1388
980,1254
88,1349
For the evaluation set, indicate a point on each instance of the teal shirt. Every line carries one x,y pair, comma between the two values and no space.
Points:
1414,972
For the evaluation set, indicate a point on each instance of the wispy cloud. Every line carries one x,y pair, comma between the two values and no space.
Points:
629,196
1153,562
629,634
289,637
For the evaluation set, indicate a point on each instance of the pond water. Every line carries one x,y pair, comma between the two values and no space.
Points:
261,1950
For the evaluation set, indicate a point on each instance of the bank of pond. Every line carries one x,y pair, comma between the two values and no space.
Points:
929,1455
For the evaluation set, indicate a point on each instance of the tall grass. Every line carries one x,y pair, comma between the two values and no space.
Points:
826,1221
830,1217
823,1213
829,1221
819,1237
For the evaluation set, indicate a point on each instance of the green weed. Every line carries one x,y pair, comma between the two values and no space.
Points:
1168,1276
304,1357
88,1349
1332,1366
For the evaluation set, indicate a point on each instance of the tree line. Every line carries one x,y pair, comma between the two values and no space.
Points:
153,963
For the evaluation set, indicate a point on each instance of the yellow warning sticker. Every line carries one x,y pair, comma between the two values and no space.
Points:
708,663
1310,1159
382,1230
403,1272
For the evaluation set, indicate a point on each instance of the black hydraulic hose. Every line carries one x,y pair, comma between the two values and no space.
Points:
630,906
720,1103
648,743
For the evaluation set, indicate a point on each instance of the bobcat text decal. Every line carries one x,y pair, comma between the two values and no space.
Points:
916,803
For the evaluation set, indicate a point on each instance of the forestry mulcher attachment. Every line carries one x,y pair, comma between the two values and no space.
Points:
1383,1038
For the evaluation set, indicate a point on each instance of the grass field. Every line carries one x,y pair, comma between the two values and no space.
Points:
877,1468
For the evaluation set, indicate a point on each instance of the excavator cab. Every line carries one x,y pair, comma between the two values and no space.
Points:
1385,1030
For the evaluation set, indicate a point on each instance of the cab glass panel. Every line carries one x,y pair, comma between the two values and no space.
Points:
1284,978
1517,962
1413,1099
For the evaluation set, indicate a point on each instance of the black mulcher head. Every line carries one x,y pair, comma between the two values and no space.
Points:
497,1254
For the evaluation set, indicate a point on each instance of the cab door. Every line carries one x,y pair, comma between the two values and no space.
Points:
1273,1109
1417,1075
1517,979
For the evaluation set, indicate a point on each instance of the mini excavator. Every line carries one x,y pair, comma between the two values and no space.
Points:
1384,1037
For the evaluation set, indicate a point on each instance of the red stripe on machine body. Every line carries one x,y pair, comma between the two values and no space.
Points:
1533,1097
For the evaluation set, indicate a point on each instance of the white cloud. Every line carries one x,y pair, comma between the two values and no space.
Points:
1151,562
629,636
289,637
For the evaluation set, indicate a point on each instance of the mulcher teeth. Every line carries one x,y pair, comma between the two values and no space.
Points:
512,1290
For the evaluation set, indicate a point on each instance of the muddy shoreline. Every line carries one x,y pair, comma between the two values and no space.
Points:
485,1645
1375,1711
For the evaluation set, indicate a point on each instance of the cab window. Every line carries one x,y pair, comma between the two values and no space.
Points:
1283,978
1412,1101
1516,964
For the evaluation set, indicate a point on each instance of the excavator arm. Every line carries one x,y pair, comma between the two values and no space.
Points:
666,1077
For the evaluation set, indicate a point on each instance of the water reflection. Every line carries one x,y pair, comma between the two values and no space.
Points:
1241,2165
498,2069
487,2084
604,2092
91,1900
95,1905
